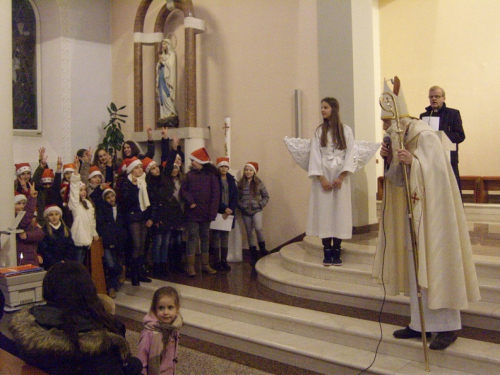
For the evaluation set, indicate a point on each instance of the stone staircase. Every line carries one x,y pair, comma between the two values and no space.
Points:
322,342
316,341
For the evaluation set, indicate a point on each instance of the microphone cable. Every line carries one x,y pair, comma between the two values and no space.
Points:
383,283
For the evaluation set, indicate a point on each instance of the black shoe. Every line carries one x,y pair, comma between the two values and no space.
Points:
327,261
225,266
144,279
443,340
336,261
408,333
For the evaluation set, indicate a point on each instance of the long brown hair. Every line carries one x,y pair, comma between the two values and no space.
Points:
333,125
254,184
50,231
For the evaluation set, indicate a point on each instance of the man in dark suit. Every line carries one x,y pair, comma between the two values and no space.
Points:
449,121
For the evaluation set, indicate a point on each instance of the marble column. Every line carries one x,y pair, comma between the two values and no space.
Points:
349,71
6,121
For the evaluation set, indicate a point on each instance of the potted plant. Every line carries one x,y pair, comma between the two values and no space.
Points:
113,139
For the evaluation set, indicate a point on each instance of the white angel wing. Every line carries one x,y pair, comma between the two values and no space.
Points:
300,149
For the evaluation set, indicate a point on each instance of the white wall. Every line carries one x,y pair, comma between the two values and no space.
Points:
453,44
76,79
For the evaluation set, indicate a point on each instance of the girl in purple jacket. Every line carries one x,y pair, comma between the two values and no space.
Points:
201,193
27,241
160,337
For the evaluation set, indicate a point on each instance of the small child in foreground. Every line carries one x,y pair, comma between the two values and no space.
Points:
160,337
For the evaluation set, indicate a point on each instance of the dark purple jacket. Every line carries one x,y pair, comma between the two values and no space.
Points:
202,188
29,246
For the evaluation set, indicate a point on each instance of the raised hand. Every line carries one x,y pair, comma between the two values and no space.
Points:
33,191
41,153
77,165
175,143
150,133
59,165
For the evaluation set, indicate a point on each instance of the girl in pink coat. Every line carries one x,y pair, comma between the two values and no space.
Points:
160,337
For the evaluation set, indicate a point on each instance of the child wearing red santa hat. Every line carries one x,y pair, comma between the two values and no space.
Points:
252,198
200,191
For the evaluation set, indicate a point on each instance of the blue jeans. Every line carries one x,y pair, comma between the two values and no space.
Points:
160,246
112,267
81,253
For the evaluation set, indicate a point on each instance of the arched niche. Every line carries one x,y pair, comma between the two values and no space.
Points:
192,26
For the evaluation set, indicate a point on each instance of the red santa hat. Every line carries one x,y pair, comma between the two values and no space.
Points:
51,208
253,165
130,164
47,176
147,164
68,168
222,161
18,197
22,167
200,155
94,171
106,191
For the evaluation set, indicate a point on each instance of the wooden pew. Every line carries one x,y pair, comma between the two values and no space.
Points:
472,183
488,183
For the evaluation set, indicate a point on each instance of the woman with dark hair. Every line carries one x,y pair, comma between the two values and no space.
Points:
130,148
331,163
104,161
72,333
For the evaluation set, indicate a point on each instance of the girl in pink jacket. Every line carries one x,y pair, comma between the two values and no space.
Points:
160,336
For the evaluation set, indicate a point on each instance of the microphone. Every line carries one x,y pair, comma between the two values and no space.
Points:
387,141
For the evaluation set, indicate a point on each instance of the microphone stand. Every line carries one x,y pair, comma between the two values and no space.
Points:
388,103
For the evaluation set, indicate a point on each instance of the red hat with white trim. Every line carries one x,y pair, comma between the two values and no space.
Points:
200,155
94,171
68,168
18,197
106,191
47,176
147,164
131,163
22,167
51,208
222,161
253,165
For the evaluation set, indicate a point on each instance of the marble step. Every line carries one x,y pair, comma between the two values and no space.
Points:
354,253
316,341
270,270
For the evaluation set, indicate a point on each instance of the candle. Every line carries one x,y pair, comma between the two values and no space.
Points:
227,136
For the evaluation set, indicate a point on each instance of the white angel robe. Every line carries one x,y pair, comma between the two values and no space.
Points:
330,212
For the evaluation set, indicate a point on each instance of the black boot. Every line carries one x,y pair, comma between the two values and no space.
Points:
328,257
262,248
223,262
142,273
215,259
336,261
254,257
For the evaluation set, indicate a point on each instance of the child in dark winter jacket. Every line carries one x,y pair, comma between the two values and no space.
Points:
227,206
136,203
57,244
200,191
111,227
